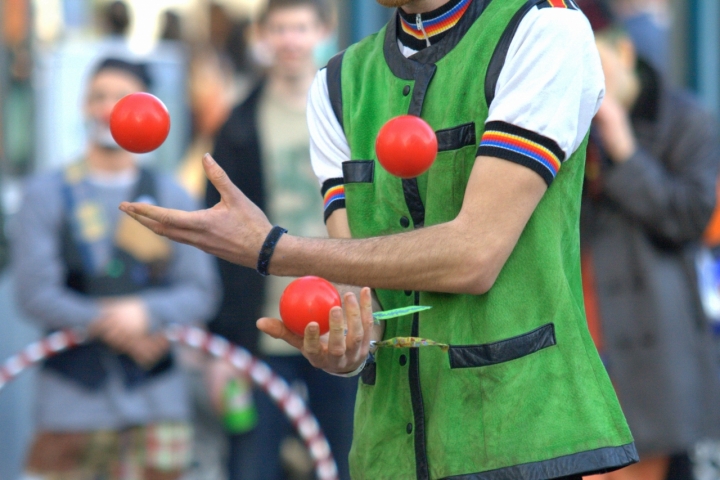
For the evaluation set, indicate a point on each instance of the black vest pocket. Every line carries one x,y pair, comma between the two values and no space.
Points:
359,171
468,356
456,138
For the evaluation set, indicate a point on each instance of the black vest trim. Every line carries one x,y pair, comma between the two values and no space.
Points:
456,138
497,61
503,351
358,171
411,191
405,68
422,469
424,74
334,84
421,68
591,462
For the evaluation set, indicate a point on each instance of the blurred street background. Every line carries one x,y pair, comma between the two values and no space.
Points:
204,57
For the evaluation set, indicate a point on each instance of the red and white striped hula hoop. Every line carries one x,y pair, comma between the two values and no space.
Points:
284,397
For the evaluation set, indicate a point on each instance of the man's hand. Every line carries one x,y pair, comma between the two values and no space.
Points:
339,353
149,349
234,229
122,322
613,124
123,325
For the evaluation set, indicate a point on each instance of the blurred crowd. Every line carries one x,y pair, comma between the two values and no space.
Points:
130,406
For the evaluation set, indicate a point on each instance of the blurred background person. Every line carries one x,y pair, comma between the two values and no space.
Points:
647,22
650,191
221,74
115,408
264,147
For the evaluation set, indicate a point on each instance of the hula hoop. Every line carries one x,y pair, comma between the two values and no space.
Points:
277,388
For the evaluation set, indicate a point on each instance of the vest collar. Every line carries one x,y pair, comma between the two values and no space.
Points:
407,68
433,26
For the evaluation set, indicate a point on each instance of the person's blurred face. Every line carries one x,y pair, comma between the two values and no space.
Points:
291,35
104,91
618,59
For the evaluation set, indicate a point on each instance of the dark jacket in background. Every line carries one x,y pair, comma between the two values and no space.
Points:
642,222
237,150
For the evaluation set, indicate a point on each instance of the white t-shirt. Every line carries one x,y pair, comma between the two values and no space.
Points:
547,93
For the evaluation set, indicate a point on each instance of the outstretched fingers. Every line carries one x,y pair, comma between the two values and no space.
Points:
159,217
184,227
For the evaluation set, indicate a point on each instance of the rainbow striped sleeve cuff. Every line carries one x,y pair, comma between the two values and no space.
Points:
515,144
333,192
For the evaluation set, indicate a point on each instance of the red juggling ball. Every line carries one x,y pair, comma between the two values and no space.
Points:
139,122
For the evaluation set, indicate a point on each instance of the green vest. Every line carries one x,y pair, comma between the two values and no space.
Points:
521,393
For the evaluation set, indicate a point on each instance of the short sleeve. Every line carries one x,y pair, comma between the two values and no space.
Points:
329,147
549,90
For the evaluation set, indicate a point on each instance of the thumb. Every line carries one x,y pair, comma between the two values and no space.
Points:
277,329
219,178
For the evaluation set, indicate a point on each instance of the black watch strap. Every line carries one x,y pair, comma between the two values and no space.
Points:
268,248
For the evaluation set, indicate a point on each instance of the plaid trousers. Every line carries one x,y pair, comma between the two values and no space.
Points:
153,452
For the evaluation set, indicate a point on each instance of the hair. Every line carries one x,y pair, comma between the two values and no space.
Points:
137,70
117,17
172,26
321,7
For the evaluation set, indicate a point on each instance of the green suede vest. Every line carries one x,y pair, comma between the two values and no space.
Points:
521,393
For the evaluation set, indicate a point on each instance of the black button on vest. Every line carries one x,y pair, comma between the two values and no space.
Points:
404,222
408,429
408,292
406,90
403,360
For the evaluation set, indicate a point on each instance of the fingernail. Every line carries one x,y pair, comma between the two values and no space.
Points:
208,159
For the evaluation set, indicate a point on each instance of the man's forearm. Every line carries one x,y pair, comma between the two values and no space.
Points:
407,261
464,255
